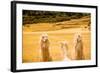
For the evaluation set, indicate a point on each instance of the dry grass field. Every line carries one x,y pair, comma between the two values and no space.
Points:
57,32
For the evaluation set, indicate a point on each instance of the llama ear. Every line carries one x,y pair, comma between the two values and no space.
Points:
44,34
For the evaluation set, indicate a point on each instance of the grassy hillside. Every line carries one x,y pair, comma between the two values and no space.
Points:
83,22
31,17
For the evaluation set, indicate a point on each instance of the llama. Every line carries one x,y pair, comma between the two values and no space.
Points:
79,48
64,48
44,44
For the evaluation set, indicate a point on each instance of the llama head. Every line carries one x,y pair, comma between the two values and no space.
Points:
77,37
44,37
64,44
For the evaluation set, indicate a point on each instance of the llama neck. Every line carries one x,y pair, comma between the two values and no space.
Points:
65,55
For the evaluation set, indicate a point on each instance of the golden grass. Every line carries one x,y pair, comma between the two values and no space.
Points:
31,45
32,34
